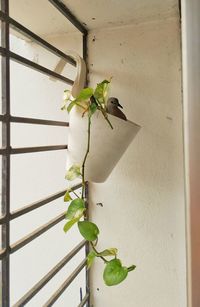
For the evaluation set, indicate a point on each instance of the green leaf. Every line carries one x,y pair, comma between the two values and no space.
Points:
84,94
92,108
101,91
88,230
108,252
69,224
114,272
90,258
74,207
73,172
67,196
70,106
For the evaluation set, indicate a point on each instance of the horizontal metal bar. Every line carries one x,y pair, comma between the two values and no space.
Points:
22,150
68,14
29,34
2,253
36,233
2,219
84,300
37,121
40,203
39,285
19,59
64,286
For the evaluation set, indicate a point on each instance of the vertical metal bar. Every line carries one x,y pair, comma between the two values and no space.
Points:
85,55
87,246
5,62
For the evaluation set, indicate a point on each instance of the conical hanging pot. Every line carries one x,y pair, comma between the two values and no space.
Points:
107,145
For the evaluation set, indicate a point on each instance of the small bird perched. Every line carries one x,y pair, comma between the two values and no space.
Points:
112,108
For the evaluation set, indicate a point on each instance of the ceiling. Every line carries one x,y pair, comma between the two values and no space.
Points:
107,13
42,18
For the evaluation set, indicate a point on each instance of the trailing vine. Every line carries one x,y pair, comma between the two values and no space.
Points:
91,100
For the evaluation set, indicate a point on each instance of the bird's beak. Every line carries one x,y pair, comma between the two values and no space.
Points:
119,105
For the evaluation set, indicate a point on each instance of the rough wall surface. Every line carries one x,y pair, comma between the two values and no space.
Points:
143,200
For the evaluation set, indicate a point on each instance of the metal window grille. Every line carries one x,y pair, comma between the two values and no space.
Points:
6,151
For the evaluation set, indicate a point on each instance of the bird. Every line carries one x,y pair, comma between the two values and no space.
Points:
113,106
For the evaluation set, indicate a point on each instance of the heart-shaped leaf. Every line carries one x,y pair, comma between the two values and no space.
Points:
74,207
92,108
70,106
114,272
90,258
67,196
84,94
73,172
108,252
101,91
88,230
73,221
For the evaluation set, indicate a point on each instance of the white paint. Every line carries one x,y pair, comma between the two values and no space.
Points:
143,213
107,145
93,13
103,14
40,16
191,78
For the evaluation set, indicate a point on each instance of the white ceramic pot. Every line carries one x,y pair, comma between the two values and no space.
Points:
107,146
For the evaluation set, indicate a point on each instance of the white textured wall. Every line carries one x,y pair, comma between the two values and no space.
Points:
143,213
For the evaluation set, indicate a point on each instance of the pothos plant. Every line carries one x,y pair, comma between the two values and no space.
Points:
90,101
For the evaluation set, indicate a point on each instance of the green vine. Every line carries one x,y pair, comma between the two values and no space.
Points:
91,100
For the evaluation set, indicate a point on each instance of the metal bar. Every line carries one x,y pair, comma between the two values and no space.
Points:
37,121
22,150
3,151
2,219
68,14
19,59
38,204
2,254
5,77
29,34
39,285
87,246
36,233
64,286
84,301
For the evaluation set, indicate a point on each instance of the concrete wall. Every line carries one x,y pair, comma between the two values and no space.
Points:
143,200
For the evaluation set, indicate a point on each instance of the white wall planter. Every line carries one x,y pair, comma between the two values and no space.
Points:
107,145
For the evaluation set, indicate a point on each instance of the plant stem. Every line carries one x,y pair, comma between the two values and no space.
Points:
94,249
85,158
103,111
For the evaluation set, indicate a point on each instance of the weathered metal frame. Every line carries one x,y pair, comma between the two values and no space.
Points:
6,151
